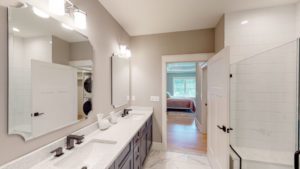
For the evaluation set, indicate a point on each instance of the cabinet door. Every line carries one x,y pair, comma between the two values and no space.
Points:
112,166
128,163
149,139
149,134
137,159
143,148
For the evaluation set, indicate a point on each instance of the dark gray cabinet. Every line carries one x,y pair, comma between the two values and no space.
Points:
135,153
128,164
149,135
112,166
143,151
125,159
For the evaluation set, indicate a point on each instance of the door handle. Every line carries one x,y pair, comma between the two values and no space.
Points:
229,129
296,159
36,114
223,128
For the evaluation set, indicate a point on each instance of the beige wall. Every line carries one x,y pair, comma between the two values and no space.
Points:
105,35
81,51
146,64
60,51
220,35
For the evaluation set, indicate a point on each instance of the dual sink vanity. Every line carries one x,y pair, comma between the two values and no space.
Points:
51,73
124,145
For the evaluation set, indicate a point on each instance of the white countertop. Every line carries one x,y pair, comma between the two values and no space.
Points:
122,133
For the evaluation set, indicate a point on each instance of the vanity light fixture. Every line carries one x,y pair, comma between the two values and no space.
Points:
15,29
244,22
80,19
67,27
124,52
123,49
128,53
40,13
57,7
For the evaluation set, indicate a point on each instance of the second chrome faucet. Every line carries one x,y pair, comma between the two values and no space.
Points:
71,141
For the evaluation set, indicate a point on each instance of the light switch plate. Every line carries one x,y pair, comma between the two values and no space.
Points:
154,98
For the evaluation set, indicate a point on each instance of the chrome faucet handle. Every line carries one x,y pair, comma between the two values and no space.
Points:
58,152
79,141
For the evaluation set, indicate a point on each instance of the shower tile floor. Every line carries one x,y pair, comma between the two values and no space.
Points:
173,160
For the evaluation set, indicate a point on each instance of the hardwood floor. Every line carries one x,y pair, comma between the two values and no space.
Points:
183,135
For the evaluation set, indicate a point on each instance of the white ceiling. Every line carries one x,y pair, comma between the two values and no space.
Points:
141,17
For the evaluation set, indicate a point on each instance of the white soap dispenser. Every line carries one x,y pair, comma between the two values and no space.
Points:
113,118
103,123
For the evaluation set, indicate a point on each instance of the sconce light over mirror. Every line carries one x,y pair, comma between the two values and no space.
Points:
124,52
50,73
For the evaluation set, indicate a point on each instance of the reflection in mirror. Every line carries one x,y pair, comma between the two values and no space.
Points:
50,74
120,80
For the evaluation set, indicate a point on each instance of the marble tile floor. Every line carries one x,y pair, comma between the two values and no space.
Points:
174,160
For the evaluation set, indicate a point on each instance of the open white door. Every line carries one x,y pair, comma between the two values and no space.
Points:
54,95
218,110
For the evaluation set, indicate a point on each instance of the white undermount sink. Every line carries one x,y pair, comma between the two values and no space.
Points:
135,116
87,156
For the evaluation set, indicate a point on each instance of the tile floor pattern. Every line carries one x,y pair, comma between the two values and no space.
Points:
173,160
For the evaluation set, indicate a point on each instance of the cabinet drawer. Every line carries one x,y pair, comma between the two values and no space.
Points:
124,155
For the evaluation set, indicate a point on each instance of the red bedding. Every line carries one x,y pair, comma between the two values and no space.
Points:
184,103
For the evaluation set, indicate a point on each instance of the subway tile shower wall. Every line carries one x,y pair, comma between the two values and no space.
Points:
264,100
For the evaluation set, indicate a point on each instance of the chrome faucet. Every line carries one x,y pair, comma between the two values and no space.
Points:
58,152
125,112
71,139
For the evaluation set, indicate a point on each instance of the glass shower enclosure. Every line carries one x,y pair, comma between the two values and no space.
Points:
264,109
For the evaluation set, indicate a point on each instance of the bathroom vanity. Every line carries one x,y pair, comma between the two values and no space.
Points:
124,145
135,153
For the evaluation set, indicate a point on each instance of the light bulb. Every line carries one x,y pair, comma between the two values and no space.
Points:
16,29
80,19
128,53
40,13
67,26
57,7
244,22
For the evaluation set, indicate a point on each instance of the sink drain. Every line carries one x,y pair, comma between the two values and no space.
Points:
84,167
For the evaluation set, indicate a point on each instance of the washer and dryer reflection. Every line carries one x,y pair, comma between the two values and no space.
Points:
87,93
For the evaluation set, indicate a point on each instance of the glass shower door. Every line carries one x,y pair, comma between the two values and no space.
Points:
264,109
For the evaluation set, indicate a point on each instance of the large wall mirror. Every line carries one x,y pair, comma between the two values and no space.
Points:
50,74
120,80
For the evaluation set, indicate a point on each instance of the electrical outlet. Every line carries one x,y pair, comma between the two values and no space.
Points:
154,98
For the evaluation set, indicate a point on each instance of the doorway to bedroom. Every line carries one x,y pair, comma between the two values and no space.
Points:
185,98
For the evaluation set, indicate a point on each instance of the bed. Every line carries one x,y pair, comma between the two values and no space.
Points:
181,103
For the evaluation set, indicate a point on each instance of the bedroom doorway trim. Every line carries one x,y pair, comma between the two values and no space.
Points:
198,57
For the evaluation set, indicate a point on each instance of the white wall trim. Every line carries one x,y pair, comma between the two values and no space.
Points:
198,125
198,57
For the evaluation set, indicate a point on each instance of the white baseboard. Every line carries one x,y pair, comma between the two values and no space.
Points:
198,125
157,146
